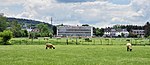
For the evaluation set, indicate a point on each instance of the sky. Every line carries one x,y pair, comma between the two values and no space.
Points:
97,13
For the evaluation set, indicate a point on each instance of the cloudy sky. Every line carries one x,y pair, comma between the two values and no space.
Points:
98,13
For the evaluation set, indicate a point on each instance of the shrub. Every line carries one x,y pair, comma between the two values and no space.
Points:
33,35
88,40
127,40
6,36
80,37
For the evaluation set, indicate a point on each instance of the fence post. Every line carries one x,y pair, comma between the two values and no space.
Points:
39,42
94,41
111,41
101,41
67,41
20,41
32,41
108,41
76,41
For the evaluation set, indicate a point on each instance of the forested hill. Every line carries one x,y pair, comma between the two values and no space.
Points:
26,21
33,23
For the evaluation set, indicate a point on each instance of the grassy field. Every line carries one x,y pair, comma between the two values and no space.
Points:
74,55
73,41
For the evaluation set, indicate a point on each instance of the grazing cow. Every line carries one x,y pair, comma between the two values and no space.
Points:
129,47
50,46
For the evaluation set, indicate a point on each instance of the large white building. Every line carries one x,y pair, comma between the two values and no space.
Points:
66,30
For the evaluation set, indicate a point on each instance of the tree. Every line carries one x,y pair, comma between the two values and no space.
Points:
44,29
98,32
149,39
6,36
24,33
54,30
147,29
116,26
101,31
128,27
85,25
3,23
50,35
15,28
94,30
122,35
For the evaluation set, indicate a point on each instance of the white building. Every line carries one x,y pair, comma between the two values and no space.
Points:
116,32
24,27
66,30
138,32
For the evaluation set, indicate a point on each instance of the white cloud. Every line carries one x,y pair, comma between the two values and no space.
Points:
118,19
99,13
11,2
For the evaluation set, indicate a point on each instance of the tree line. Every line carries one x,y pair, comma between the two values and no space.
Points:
15,25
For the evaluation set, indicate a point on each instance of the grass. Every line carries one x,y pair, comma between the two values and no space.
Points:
72,41
74,55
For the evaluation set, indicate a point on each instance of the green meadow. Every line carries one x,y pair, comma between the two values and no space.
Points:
75,51
80,41
74,55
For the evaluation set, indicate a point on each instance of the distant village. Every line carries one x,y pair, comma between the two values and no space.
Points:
88,31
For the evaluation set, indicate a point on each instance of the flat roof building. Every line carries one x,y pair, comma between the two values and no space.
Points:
66,30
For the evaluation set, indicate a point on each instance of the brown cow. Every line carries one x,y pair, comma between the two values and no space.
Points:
50,46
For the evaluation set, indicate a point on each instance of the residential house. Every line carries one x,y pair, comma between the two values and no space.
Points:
138,32
110,32
24,27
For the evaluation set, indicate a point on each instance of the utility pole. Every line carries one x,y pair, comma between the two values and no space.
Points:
52,24
51,21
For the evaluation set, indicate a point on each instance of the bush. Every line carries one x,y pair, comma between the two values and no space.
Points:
1,40
80,37
33,35
88,40
127,40
6,36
